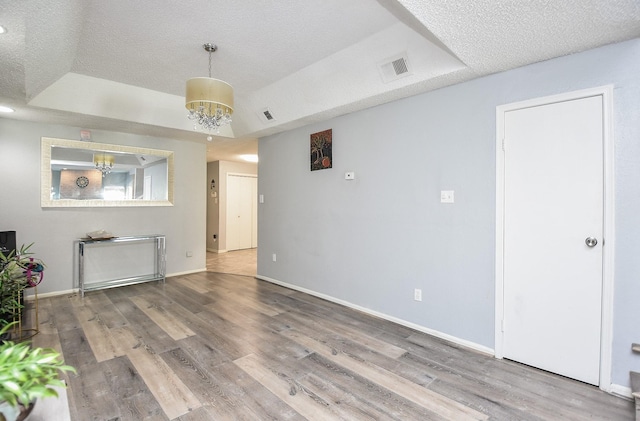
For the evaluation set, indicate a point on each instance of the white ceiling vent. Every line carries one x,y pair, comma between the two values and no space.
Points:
266,115
394,68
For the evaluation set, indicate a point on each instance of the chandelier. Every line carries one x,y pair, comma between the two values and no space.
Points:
104,162
209,101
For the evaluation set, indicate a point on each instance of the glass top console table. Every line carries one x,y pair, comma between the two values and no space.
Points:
125,261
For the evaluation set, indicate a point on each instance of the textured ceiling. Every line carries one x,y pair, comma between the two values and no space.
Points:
122,65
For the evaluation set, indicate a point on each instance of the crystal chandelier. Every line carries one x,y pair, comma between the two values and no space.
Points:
209,101
104,162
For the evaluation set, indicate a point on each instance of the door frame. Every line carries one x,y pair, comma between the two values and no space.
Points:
608,249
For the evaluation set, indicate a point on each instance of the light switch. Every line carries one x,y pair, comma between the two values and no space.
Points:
261,198
446,196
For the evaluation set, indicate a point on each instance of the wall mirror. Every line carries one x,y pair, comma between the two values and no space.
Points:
88,174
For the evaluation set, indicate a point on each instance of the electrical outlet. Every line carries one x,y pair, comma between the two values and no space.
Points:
189,253
446,196
417,294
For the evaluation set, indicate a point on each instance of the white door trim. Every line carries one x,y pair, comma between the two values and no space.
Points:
608,239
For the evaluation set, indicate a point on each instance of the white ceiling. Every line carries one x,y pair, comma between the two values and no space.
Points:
121,65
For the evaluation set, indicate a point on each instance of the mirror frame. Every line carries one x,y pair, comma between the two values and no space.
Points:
48,143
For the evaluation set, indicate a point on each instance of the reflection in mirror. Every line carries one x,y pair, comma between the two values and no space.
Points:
78,173
83,174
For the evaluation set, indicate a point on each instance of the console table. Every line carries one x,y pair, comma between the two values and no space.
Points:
159,261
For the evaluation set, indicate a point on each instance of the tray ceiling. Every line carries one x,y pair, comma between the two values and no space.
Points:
122,65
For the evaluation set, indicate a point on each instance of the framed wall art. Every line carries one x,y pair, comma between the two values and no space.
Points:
321,155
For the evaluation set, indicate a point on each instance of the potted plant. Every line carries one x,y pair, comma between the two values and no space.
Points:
27,374
18,271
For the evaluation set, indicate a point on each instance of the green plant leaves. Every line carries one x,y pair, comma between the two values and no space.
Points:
28,373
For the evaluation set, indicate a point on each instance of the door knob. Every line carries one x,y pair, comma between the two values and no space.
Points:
591,241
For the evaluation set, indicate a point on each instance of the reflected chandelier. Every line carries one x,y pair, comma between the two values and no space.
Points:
104,162
209,101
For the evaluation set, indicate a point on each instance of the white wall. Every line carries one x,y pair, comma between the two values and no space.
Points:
54,229
371,241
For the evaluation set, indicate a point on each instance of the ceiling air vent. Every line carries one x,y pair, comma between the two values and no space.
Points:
266,115
394,68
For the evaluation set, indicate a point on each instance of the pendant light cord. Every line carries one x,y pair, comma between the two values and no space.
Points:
209,64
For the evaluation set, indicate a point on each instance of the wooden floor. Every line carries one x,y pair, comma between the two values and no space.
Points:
214,346
237,262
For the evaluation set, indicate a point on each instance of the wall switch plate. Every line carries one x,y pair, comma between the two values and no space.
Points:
189,253
417,294
446,196
350,175
273,257
261,198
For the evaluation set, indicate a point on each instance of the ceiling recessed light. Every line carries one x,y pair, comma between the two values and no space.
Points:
3,30
4,109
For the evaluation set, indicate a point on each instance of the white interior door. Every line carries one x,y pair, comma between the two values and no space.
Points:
241,212
553,202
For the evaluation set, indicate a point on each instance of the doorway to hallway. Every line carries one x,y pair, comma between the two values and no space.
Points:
237,262
242,211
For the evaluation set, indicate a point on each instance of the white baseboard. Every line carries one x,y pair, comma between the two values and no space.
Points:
188,272
468,344
621,391
217,250
51,294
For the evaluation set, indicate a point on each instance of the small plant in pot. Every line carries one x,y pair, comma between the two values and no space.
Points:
27,374
18,270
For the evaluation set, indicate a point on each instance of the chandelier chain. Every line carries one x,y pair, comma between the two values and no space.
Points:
210,64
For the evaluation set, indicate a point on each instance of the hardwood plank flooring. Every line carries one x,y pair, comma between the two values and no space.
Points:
216,346
162,316
170,392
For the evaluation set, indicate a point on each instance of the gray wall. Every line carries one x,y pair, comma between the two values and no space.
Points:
371,241
54,229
